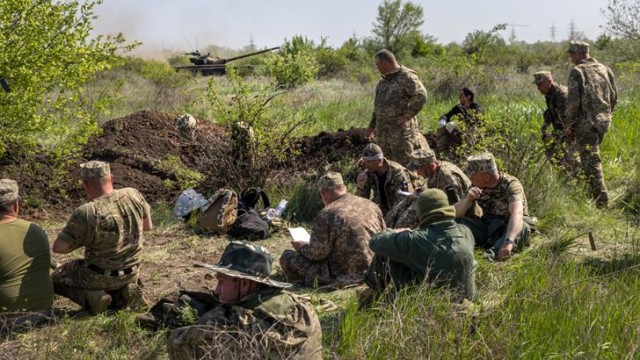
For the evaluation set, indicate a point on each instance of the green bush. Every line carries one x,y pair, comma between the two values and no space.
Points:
296,63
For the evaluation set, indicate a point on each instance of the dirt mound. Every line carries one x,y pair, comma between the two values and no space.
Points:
147,152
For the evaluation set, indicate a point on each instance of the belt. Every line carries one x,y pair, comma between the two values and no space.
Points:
101,271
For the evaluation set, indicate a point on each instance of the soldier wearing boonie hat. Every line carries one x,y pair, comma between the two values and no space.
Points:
420,158
576,46
285,326
500,196
382,178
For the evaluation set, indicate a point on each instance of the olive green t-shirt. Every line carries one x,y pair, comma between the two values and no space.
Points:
25,257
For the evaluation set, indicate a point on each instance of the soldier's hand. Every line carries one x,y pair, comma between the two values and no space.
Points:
504,252
402,230
474,193
296,245
402,120
361,180
369,133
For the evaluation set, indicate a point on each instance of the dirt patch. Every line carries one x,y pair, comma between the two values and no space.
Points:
147,152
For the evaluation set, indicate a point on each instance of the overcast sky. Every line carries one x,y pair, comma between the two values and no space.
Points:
187,24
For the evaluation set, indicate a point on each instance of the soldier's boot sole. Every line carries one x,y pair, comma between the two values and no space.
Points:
134,298
98,301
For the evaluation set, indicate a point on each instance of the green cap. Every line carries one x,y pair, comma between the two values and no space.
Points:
8,190
244,260
330,180
94,169
480,163
420,158
372,152
578,47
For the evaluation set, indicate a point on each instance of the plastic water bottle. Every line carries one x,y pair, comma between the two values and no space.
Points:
277,212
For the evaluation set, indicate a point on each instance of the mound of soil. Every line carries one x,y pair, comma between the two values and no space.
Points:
147,152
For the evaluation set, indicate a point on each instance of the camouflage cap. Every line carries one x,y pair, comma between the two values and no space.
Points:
8,190
541,76
330,180
372,152
480,163
578,47
420,158
94,169
244,260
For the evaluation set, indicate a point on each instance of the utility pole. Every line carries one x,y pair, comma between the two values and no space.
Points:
552,31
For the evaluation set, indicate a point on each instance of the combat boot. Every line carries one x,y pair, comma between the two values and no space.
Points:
134,299
97,301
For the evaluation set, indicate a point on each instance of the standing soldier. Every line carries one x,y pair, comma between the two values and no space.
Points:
591,99
110,228
557,145
399,98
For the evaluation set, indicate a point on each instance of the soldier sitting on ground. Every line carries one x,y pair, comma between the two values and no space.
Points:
441,175
459,126
110,228
253,318
338,251
382,179
505,225
439,252
25,285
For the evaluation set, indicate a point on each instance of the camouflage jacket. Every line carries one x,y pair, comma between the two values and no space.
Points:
592,94
341,235
397,94
110,228
385,188
556,100
270,324
440,253
496,201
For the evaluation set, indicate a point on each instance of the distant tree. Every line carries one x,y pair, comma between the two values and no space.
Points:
46,55
476,42
397,24
623,19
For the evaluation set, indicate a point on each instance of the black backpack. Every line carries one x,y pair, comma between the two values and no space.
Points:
249,224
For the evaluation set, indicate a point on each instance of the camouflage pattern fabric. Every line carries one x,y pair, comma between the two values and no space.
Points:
399,94
272,324
440,254
559,148
495,201
111,230
339,244
592,97
243,144
396,178
448,178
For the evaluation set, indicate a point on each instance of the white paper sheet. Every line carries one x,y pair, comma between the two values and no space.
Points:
299,234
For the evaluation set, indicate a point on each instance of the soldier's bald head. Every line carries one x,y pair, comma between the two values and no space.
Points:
386,56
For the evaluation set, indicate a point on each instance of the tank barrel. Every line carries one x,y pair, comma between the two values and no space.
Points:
251,54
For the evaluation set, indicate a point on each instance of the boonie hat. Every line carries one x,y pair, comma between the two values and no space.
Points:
541,76
244,260
578,47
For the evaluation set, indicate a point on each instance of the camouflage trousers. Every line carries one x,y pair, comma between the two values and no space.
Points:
588,144
399,145
403,215
489,231
313,273
451,145
74,280
563,153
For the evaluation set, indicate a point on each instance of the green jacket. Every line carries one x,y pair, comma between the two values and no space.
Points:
441,253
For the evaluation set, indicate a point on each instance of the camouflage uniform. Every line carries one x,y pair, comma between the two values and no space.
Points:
489,230
385,188
439,252
339,247
399,94
267,324
111,230
592,97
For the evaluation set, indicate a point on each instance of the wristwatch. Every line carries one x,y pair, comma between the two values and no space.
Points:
508,241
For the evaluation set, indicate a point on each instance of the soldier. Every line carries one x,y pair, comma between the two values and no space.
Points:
592,97
338,251
382,177
186,125
399,98
25,285
460,124
441,175
254,319
504,226
439,251
110,227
